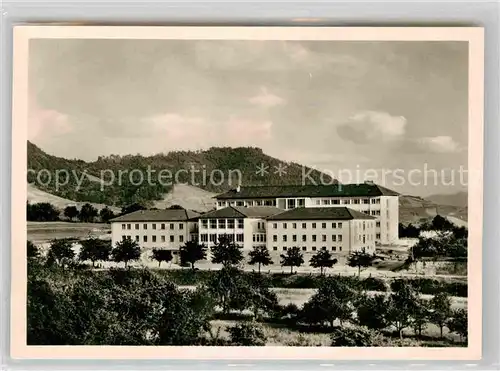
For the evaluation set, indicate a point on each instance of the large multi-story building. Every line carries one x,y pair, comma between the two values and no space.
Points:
246,226
163,229
368,198
337,229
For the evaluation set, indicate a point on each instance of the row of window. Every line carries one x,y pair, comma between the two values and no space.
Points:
292,203
347,201
248,203
284,225
154,238
304,248
213,237
221,223
153,226
284,238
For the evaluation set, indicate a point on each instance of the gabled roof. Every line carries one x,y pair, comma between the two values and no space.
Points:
242,212
157,215
320,213
308,190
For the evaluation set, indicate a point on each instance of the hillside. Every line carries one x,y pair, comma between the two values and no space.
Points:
459,199
413,209
214,170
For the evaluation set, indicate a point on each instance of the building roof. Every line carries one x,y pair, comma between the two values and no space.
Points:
308,190
157,215
242,212
321,213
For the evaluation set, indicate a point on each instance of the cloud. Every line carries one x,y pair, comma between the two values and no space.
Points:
372,127
45,123
266,99
243,131
438,144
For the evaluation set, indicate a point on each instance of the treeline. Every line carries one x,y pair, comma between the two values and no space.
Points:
46,212
438,223
68,305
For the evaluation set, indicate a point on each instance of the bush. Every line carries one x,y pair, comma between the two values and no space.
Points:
351,337
247,334
430,286
374,284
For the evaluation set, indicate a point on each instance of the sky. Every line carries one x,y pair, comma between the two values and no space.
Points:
349,108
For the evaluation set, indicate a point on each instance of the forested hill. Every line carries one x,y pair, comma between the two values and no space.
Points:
192,167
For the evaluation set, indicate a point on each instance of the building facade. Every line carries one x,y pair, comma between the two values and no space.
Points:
339,230
368,198
156,229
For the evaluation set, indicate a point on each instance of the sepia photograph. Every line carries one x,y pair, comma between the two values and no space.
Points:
309,189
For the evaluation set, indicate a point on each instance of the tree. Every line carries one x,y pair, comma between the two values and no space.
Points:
226,252
88,213
292,258
333,300
161,255
440,224
61,252
230,289
372,311
322,259
360,259
458,323
41,212
131,208
95,249
260,255
440,310
175,207
191,252
106,214
32,250
125,251
420,315
247,334
71,212
401,305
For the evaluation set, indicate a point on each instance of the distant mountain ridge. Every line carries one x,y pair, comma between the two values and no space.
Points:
459,199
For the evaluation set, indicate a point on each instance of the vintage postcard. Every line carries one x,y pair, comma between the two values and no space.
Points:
287,192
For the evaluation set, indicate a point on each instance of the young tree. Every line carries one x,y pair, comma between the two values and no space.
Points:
125,251
191,252
71,212
322,259
458,323
61,252
226,252
106,214
440,310
161,255
95,249
292,258
420,315
260,255
88,213
402,306
360,259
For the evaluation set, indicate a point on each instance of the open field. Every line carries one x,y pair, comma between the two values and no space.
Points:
43,232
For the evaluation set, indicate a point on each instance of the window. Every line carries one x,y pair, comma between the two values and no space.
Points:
325,202
314,237
364,226
290,204
275,238
124,237
284,225
171,238
314,225
355,201
137,238
304,248
334,238
181,226
145,226
145,238
313,248
364,239
366,201
323,238
154,238
213,237
334,225
284,248
304,238
294,225
346,202
230,223
123,226
204,223
336,202
162,226
323,248
284,238
301,202
181,238
275,248
162,238
377,236
294,238
372,200
239,203
304,226
240,224
275,225
377,224
340,238
230,237
203,237
340,248
340,225
221,203
334,248
258,203
213,223
239,237
323,225
154,226
172,226
222,223
129,226
318,202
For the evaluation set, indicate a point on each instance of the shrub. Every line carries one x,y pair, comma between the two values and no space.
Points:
351,337
373,284
247,334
